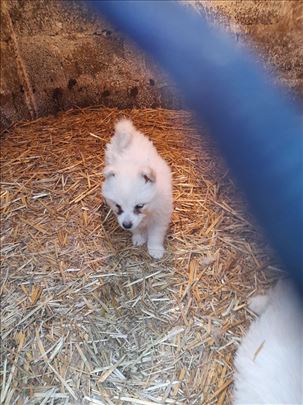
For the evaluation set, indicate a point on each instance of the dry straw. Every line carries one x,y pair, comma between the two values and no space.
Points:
89,319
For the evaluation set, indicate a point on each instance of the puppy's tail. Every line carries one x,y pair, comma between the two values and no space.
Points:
124,130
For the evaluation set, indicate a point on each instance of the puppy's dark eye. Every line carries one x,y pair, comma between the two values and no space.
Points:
138,208
119,208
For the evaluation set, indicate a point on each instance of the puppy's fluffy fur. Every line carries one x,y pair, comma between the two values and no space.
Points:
269,361
138,187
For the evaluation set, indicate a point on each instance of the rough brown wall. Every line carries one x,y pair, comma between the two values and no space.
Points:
55,55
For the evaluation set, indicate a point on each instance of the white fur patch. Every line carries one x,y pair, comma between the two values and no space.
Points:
269,360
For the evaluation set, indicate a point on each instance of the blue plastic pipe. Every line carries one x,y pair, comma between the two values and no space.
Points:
259,131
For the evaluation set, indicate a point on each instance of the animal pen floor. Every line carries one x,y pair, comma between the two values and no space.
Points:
89,319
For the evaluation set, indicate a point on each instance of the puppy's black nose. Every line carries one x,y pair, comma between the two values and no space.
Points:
127,225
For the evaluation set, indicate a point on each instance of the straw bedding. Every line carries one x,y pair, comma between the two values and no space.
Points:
89,319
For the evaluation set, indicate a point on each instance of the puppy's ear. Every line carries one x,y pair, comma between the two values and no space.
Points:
109,172
148,174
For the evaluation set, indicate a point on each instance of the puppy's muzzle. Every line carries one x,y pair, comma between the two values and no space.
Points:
127,225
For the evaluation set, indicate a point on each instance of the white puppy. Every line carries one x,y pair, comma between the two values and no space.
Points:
138,187
269,361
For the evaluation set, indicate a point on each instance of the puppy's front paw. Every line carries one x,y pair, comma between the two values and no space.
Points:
156,251
138,239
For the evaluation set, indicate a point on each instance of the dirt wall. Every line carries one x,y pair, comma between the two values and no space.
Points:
55,55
